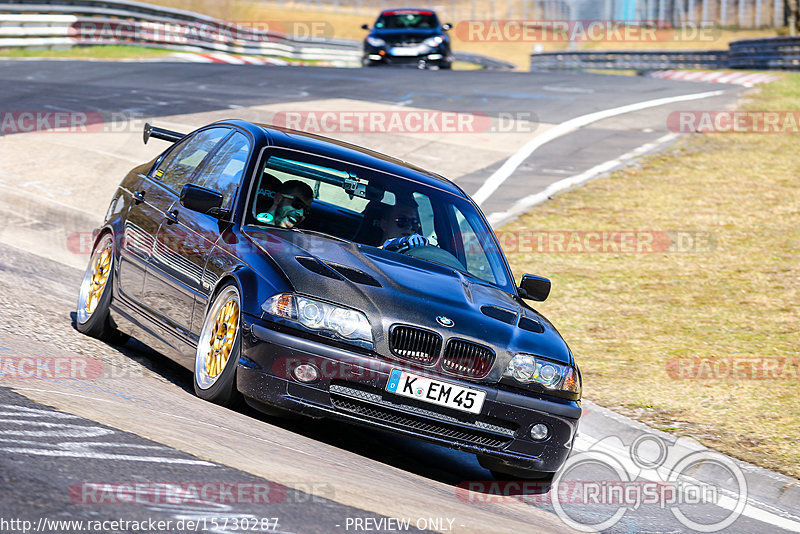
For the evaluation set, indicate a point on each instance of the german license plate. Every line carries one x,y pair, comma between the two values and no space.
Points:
404,51
435,391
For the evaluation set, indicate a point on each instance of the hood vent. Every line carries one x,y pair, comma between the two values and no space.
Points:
531,325
316,267
354,275
501,314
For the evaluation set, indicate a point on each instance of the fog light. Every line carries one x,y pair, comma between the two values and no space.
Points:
305,373
539,432
434,57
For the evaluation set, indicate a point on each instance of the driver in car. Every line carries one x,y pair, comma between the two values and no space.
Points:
401,227
290,206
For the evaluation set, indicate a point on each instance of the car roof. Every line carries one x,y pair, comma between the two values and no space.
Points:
333,148
409,9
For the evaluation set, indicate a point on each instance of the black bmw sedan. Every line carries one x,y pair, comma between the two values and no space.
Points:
303,274
408,37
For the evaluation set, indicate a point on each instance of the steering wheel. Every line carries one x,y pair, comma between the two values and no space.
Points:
436,255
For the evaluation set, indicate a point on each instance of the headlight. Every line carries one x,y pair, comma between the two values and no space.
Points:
375,41
434,41
320,316
529,369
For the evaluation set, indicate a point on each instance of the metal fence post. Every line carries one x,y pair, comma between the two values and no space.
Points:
741,13
777,19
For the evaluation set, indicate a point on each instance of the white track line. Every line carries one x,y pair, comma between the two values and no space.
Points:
507,169
524,204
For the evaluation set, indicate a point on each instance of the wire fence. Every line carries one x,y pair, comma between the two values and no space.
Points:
740,13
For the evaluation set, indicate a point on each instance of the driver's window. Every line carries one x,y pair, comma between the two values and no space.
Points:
475,258
425,210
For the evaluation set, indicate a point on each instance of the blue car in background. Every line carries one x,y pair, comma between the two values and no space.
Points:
408,37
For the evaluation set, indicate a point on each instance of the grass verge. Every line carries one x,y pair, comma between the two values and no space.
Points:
88,52
735,299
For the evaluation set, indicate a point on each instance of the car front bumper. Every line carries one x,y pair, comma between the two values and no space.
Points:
351,387
378,56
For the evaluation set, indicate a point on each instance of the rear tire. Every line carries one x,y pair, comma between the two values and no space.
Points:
92,313
219,348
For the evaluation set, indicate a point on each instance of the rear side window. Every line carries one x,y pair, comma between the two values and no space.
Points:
223,172
180,164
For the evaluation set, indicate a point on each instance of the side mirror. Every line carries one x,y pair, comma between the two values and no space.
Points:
534,287
447,26
364,27
200,199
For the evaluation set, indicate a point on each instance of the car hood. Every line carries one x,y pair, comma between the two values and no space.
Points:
392,288
405,35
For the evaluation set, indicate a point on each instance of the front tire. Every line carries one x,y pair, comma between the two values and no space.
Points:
219,348
94,299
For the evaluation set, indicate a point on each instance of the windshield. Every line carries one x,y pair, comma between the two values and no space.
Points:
404,19
371,208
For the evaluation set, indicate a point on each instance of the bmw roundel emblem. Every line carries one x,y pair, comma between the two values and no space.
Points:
445,321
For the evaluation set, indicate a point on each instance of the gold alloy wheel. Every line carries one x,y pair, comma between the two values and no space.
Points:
221,341
101,266
95,280
215,348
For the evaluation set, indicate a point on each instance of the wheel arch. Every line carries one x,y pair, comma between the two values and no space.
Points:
253,289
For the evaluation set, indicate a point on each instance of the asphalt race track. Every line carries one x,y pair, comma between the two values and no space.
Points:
74,449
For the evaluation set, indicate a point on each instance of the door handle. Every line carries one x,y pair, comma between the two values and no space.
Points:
138,197
172,216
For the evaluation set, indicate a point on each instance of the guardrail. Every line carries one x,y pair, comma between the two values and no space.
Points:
756,54
633,59
67,23
768,54
31,24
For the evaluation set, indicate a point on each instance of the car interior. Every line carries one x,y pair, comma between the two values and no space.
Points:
351,207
